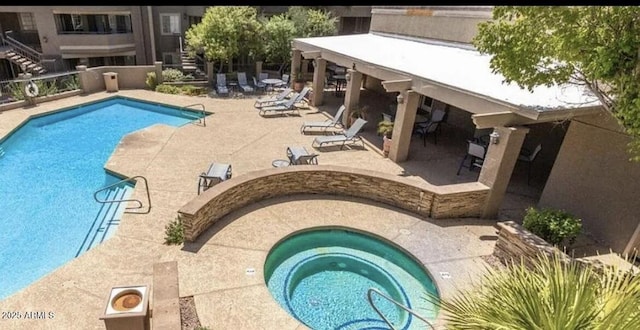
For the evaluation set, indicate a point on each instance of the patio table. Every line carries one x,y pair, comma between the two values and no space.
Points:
272,82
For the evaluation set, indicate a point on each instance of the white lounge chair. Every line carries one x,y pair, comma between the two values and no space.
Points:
323,125
350,136
289,105
272,100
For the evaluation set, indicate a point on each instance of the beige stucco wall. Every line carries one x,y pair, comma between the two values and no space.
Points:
458,24
594,179
129,77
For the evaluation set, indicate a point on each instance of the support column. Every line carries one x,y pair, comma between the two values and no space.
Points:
210,73
498,166
352,94
408,102
158,66
296,59
83,76
318,81
258,68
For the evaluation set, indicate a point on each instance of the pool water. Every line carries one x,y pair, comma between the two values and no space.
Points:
49,170
322,276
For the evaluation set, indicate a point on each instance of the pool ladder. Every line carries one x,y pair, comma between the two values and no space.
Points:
407,309
201,120
133,178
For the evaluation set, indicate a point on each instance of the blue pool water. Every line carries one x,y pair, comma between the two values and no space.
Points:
322,276
49,169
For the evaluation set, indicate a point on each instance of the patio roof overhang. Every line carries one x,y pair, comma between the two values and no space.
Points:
452,73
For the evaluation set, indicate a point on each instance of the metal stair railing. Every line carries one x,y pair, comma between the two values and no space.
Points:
31,54
407,309
202,119
133,178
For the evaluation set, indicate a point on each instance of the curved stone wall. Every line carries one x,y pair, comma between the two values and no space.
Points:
459,200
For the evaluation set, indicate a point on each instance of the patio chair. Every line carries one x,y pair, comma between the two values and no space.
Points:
259,85
324,125
350,136
289,105
242,82
300,156
528,157
216,173
476,152
285,82
221,84
430,127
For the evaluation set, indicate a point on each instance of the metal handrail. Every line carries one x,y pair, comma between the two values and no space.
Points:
407,309
180,41
25,50
146,184
204,112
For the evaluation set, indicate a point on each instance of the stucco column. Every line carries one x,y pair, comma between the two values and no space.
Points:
258,69
318,81
403,125
158,65
296,59
498,166
210,73
83,76
352,94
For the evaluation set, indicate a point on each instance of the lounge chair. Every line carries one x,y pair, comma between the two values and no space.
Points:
272,100
289,105
350,136
323,125
221,84
300,156
216,173
242,82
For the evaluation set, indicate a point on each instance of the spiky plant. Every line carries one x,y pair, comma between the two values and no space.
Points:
553,295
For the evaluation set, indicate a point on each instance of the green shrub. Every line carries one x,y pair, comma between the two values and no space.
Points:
554,226
174,232
16,90
71,83
151,80
172,75
192,90
168,89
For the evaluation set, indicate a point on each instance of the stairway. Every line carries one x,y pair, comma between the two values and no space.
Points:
108,218
189,66
28,65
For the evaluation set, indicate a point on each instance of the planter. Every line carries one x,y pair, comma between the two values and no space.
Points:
386,145
298,86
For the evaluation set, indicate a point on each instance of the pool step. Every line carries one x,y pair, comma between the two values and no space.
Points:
108,218
1,152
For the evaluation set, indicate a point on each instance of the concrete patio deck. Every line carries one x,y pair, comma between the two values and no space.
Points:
213,269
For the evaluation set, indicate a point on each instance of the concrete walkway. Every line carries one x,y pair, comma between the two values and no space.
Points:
214,269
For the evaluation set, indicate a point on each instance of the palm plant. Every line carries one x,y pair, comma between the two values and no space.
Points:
555,294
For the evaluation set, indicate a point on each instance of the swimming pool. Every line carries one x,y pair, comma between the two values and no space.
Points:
322,276
49,169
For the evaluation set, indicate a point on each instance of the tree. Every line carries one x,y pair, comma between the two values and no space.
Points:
279,33
555,294
594,46
310,22
226,32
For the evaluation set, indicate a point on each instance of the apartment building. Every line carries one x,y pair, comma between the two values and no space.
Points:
40,39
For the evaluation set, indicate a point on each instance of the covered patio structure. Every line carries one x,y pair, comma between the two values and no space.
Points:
454,74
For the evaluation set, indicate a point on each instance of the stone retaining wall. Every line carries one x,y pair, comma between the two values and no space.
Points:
460,200
516,243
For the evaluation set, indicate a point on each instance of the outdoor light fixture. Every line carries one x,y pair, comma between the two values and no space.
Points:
315,64
347,76
400,98
495,137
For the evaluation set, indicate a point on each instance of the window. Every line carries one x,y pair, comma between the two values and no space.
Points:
170,23
27,22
